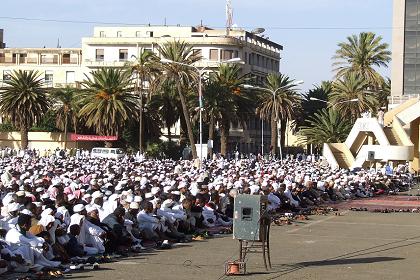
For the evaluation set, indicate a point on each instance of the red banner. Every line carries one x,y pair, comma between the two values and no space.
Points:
81,137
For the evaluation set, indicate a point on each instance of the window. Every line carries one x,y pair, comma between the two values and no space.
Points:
138,34
70,77
197,52
150,33
66,58
246,57
102,34
119,34
99,54
214,54
227,54
7,75
22,58
49,78
123,54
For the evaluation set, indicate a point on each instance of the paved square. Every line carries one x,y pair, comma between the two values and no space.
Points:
356,245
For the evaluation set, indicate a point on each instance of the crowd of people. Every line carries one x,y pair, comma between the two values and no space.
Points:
57,207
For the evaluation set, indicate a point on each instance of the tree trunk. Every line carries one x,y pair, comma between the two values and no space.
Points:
65,131
283,127
211,135
182,129
24,136
224,138
273,136
141,117
169,133
187,122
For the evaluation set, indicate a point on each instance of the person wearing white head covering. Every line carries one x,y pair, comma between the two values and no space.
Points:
35,247
79,218
110,205
10,220
6,177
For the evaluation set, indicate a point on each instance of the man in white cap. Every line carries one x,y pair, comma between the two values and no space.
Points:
10,220
34,247
83,238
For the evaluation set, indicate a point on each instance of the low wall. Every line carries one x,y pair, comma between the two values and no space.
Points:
42,140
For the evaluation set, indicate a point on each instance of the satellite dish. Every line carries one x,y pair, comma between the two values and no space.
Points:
258,30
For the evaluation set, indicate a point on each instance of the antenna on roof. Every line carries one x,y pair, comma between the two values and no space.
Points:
229,16
58,43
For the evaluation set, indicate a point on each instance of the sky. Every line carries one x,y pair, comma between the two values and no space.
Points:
309,30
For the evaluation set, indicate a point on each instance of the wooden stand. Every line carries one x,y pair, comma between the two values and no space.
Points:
261,246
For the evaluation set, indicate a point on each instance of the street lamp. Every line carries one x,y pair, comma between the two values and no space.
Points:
200,72
273,92
334,104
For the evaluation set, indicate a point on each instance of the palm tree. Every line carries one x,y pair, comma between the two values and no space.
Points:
24,101
326,126
313,101
225,103
360,54
182,76
353,86
143,68
384,92
108,101
278,100
66,108
167,104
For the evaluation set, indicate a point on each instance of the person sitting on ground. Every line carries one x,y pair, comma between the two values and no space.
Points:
35,246
115,221
73,248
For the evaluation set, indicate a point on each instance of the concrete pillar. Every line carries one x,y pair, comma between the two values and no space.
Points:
415,136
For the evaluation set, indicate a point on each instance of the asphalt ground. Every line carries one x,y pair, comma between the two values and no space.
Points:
354,245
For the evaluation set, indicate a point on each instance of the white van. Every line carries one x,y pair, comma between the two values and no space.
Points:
114,153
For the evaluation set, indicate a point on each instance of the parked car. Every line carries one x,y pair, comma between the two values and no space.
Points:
114,153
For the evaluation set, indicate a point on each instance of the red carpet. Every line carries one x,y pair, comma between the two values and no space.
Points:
382,202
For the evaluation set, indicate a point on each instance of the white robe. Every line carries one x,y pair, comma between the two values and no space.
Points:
33,256
83,237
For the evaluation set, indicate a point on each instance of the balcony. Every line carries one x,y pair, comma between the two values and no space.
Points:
49,60
8,60
99,63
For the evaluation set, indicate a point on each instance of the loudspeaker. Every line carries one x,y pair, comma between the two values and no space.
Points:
247,216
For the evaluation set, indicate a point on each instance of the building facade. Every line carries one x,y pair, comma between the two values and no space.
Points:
2,44
59,67
115,46
406,48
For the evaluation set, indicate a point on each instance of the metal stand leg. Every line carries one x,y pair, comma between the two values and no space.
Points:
268,248
264,257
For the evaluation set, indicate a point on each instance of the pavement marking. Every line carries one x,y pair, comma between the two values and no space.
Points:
343,237
314,223
374,224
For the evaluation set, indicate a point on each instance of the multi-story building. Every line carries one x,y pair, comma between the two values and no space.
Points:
59,67
406,49
114,46
2,44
